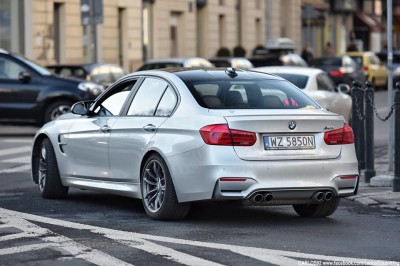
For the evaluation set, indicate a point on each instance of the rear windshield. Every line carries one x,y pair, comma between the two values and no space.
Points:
358,60
249,94
328,61
298,80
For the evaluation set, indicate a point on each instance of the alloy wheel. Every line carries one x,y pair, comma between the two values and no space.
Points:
154,185
59,110
42,168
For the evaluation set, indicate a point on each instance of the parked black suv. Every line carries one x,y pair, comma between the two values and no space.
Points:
31,93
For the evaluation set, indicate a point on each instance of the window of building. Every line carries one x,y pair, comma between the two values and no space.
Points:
174,34
222,30
12,25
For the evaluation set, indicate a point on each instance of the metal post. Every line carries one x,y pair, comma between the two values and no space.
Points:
390,80
357,123
93,41
396,179
369,133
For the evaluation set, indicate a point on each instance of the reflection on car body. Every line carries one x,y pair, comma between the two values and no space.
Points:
171,137
318,85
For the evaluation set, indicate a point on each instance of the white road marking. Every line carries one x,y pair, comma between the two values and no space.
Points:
22,168
20,249
278,257
55,241
22,159
166,252
17,150
16,140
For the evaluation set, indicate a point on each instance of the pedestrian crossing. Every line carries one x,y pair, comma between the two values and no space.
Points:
15,154
24,228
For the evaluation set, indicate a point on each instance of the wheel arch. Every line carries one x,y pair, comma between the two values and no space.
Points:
147,156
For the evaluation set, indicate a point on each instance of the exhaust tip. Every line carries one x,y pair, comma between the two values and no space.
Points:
328,196
257,198
318,196
268,197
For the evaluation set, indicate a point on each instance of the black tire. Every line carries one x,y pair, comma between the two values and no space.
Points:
56,109
317,210
158,193
49,181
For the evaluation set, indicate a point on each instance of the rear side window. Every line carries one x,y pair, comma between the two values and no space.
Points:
298,80
249,94
147,98
325,83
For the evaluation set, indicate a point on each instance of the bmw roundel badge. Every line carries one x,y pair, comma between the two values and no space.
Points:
292,125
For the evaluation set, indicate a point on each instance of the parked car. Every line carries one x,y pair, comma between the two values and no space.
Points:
31,93
396,64
102,73
175,136
372,66
317,84
237,62
274,59
342,69
176,62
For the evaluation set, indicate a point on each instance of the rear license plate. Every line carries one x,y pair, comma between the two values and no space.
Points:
289,142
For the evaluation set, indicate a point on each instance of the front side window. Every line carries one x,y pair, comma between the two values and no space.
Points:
249,94
9,69
113,104
147,97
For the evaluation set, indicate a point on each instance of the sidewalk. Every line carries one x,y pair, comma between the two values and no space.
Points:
379,195
379,192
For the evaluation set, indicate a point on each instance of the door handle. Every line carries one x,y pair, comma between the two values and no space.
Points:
149,128
105,129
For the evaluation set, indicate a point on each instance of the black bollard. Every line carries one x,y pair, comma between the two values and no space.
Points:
369,133
357,122
396,179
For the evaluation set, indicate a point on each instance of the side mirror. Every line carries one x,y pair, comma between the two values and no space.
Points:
343,88
81,108
24,76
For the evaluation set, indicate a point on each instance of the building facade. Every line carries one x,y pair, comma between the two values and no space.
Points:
283,20
128,32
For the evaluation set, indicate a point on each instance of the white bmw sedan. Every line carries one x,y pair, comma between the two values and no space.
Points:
317,84
174,136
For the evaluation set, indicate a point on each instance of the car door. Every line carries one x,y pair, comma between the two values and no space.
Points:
88,139
17,97
152,104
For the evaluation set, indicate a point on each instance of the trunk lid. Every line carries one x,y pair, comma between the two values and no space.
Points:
277,141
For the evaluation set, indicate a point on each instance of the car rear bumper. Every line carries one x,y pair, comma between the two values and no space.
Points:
197,175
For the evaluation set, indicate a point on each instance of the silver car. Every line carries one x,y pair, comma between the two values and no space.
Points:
180,135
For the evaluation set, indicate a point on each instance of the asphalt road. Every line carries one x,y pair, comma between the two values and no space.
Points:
90,228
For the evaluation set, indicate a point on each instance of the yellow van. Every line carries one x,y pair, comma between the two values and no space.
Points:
372,66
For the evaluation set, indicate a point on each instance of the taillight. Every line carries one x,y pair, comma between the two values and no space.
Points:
221,134
365,68
336,73
342,135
